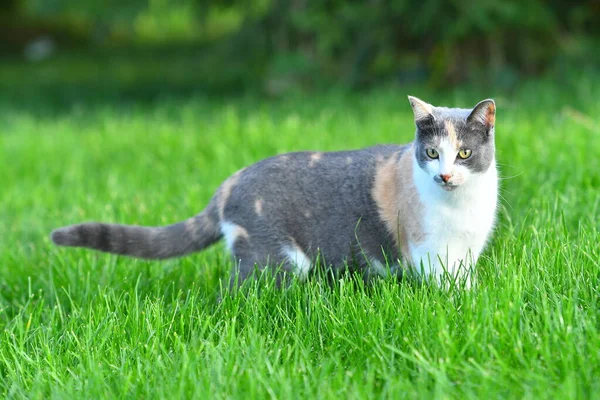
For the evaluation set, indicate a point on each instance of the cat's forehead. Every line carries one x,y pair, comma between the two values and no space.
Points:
445,121
451,124
452,114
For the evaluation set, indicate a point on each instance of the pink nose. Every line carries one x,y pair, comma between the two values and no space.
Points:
445,177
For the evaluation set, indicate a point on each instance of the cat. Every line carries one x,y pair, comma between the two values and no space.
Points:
428,206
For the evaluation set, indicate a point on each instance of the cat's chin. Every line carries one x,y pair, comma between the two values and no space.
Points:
448,188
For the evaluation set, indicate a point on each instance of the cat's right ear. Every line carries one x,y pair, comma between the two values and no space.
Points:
423,112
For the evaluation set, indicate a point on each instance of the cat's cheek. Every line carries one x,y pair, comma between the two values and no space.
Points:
461,175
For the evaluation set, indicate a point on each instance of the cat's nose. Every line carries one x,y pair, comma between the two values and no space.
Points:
445,177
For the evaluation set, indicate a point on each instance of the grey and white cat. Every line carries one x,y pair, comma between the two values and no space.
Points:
429,204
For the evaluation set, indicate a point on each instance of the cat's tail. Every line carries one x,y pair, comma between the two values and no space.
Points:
193,234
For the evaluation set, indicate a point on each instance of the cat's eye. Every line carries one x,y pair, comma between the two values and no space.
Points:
464,153
432,153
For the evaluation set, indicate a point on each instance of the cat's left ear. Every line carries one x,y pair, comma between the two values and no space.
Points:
484,113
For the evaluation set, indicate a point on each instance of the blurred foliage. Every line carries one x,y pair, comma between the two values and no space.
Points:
299,43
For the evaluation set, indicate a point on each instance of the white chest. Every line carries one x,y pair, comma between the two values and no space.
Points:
455,225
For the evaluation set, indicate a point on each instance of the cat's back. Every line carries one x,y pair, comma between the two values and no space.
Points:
310,175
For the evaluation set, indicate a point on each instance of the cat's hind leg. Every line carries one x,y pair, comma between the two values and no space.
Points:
261,252
255,258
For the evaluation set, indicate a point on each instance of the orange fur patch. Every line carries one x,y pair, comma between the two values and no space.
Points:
314,159
225,192
490,117
240,232
398,202
258,206
452,135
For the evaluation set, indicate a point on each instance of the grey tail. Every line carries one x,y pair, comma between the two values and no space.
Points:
193,234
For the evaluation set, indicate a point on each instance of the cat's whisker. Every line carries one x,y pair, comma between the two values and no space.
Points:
504,178
505,201
504,191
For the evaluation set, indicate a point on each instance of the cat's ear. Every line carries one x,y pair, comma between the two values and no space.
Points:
483,114
421,110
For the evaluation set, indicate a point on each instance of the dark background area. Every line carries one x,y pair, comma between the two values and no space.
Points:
118,48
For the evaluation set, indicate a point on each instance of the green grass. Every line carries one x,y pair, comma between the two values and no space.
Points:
79,324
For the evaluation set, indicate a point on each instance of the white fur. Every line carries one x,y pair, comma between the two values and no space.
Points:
299,259
447,156
456,223
231,232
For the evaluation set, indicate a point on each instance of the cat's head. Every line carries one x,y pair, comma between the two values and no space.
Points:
454,144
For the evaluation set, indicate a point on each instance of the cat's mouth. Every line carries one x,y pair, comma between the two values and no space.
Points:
447,186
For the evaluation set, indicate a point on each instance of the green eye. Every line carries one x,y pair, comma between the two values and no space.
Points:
464,154
432,153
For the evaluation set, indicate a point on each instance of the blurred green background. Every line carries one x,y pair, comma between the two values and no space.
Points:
135,111
145,47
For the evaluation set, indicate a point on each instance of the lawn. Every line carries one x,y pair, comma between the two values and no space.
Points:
79,324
